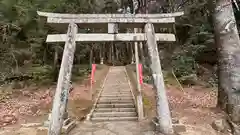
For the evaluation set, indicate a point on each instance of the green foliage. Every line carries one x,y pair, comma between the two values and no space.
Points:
110,6
40,73
184,65
196,40
23,35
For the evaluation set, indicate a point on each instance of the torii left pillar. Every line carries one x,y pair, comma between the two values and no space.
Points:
58,120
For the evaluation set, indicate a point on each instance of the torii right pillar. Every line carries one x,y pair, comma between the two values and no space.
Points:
163,111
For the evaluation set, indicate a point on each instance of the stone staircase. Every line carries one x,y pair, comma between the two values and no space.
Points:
116,102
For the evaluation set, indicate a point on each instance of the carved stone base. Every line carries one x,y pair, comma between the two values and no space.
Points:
68,125
177,127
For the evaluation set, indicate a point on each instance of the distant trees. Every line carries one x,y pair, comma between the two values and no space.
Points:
23,34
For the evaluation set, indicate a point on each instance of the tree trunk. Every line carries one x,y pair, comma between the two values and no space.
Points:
112,29
117,53
105,57
227,39
110,53
132,53
91,56
101,54
125,54
45,55
55,64
94,56
55,57
129,53
78,59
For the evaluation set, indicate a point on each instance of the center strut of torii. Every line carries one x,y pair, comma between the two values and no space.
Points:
111,22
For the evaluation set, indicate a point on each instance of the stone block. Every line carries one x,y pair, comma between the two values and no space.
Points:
68,125
31,125
155,124
42,131
175,121
236,129
236,114
179,128
220,125
67,128
67,121
26,131
46,123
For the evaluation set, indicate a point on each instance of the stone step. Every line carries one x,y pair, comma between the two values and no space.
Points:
115,87
116,98
116,95
114,114
117,90
115,105
114,118
115,101
115,110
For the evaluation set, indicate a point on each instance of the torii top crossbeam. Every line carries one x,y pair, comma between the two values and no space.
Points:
128,20
63,15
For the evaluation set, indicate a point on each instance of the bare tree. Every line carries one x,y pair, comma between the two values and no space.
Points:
227,40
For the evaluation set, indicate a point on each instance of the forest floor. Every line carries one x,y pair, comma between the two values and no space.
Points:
33,104
195,107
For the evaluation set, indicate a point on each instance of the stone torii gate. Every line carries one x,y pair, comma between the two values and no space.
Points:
110,21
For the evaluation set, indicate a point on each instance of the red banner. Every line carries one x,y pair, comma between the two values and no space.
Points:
93,72
140,73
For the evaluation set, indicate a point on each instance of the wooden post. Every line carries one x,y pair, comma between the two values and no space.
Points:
132,62
163,112
139,95
141,49
61,94
113,56
101,61
112,29
101,54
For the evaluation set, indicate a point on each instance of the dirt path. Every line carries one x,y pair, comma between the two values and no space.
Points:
113,128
